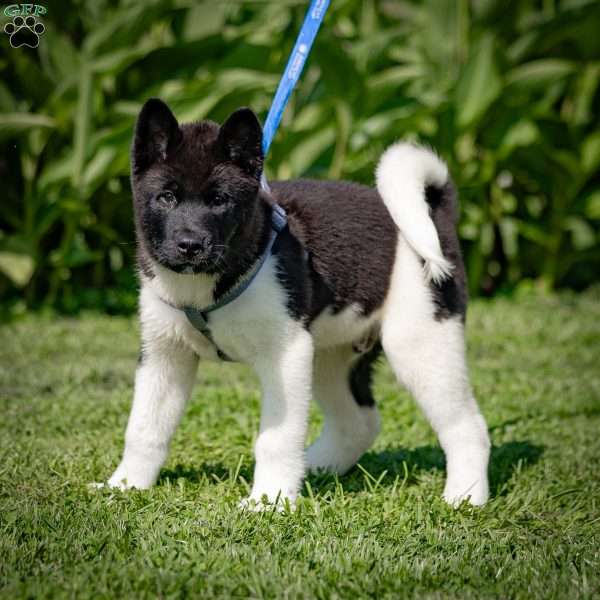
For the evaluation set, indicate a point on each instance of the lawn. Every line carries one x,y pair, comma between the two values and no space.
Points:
381,531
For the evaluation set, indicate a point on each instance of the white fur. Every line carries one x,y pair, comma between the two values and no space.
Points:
182,289
427,356
286,378
349,429
255,329
402,174
163,384
331,330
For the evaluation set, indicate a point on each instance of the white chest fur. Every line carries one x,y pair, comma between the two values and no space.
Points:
244,328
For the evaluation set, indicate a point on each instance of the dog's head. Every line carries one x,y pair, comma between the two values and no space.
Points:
195,187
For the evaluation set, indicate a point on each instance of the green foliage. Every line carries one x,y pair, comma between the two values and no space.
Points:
379,532
508,93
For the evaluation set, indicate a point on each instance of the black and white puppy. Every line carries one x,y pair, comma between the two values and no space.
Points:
357,271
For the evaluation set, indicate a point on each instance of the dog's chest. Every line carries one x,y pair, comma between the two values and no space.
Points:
252,326
243,329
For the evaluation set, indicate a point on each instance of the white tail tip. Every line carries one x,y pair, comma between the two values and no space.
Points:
437,270
403,173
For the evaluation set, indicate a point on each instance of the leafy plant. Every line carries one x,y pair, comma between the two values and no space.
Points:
508,93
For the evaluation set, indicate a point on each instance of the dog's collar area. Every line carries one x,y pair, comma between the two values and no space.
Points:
197,316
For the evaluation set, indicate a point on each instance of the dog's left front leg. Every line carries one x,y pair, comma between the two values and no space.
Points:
286,377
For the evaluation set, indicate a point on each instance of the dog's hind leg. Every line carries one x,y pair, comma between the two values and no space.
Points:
428,357
342,387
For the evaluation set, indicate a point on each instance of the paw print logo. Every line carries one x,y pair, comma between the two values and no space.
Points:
24,32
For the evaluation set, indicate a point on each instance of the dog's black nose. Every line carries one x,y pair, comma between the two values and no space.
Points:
189,247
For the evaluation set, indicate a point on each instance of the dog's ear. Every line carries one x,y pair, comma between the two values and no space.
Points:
240,141
156,134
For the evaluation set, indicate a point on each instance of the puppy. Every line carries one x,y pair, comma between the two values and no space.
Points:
309,305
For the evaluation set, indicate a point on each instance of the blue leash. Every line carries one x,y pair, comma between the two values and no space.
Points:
312,21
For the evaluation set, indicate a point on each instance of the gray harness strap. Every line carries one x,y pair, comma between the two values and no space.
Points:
198,320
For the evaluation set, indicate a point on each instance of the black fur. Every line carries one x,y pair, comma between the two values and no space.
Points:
157,134
361,376
240,141
450,296
350,239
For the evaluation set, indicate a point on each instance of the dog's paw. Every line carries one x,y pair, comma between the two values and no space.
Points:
96,485
336,450
121,480
320,463
252,505
476,494
331,456
101,485
263,504
131,475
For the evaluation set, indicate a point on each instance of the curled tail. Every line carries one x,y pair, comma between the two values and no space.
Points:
403,173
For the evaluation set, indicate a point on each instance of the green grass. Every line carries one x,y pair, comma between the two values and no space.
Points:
381,531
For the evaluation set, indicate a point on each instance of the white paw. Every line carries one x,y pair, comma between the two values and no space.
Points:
475,492
96,485
338,449
280,505
111,484
127,477
121,484
331,458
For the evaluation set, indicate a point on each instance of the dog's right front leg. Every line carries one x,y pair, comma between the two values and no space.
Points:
163,383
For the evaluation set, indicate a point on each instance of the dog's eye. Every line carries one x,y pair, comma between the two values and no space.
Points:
218,199
167,198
